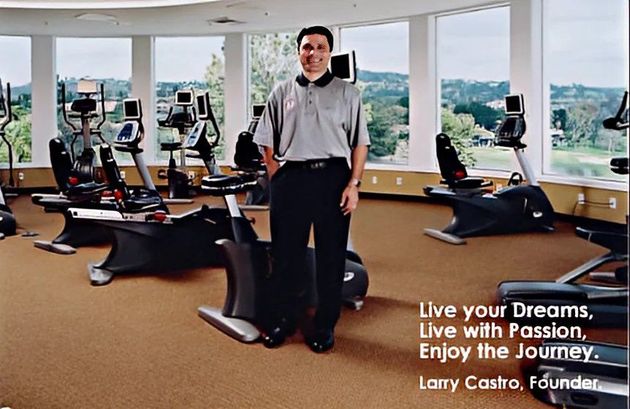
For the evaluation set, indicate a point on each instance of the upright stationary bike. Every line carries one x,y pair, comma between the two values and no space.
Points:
182,119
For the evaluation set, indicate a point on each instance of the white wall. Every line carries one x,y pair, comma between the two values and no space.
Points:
143,87
235,89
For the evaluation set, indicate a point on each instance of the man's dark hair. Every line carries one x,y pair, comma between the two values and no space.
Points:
315,30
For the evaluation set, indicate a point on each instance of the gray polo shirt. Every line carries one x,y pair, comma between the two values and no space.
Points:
313,120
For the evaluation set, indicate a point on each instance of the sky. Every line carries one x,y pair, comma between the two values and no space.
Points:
474,45
381,47
184,59
581,43
94,58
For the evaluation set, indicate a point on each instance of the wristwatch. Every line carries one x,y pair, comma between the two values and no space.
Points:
355,182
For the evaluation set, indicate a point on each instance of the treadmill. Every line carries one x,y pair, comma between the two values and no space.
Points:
602,382
607,302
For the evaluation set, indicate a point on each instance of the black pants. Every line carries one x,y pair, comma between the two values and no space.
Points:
305,194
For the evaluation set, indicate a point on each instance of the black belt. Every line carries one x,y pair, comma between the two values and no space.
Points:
314,163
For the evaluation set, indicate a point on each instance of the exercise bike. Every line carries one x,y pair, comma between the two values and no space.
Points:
8,224
247,258
247,262
520,207
155,241
92,195
180,187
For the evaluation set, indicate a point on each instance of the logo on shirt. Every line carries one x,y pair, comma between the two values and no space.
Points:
289,103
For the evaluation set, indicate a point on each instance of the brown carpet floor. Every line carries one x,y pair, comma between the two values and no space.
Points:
138,342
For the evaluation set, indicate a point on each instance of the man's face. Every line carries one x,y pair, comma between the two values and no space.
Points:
314,53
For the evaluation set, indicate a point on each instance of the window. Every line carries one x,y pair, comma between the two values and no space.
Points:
272,58
382,58
108,62
17,51
195,63
585,55
473,69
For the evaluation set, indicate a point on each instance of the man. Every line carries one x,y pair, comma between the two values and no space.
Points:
313,124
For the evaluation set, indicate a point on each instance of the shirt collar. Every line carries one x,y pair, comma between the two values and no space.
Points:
320,82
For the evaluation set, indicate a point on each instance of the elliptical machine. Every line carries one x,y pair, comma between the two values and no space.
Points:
520,207
607,371
180,187
607,303
83,169
7,219
154,241
90,195
69,169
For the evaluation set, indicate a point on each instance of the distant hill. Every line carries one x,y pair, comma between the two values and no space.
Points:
466,91
395,85
17,91
384,84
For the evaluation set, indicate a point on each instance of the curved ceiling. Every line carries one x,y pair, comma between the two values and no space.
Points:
110,18
95,4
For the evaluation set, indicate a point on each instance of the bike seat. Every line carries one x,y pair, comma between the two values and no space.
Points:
221,185
85,190
171,146
467,183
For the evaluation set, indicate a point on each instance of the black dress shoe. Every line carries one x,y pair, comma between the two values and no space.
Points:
278,333
321,341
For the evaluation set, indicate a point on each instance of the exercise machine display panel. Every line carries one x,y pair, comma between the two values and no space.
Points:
131,109
514,105
343,66
257,110
194,135
128,133
203,101
184,97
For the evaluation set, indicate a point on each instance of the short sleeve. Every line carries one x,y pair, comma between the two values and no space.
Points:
267,125
358,130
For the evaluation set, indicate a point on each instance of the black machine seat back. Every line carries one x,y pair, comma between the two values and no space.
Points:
178,120
196,141
453,171
61,163
247,156
112,171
